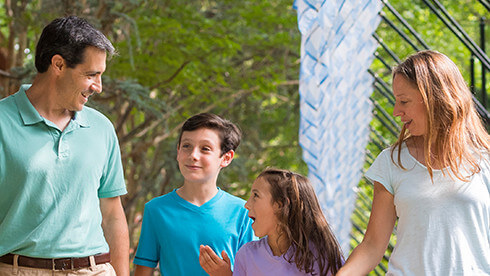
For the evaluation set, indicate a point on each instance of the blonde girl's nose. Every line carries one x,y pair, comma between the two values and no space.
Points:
396,111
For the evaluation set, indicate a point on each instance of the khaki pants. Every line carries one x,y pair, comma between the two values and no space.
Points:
101,269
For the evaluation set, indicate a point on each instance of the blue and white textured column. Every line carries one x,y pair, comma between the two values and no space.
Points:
336,50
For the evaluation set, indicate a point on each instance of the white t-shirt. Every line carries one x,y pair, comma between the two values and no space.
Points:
443,227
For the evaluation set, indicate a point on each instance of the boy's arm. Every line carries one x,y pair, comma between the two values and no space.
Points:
143,271
148,251
212,263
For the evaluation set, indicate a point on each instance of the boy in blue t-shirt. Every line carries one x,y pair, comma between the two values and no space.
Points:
176,224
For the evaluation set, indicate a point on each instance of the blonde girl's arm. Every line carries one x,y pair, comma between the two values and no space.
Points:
367,255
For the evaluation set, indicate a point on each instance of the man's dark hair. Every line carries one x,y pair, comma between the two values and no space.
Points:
68,37
229,134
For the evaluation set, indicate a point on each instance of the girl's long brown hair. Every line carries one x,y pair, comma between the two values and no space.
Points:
302,223
455,134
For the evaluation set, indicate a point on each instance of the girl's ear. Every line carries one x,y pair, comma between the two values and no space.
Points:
278,205
227,158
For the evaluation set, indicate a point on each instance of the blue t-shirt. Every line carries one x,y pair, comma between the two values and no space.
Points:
51,180
173,229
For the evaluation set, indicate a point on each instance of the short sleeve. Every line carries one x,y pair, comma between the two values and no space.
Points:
485,170
380,170
148,251
112,182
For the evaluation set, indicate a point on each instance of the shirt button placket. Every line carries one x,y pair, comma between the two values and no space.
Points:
62,147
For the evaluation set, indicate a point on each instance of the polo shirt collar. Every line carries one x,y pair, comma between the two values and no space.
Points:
80,117
30,115
27,111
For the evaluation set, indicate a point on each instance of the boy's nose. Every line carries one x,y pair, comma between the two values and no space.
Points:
195,154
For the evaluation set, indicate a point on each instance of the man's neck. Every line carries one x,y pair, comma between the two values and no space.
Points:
42,96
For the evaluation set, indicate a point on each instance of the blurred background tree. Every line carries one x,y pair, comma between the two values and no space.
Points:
239,59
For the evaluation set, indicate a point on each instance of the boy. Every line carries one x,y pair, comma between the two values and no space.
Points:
176,224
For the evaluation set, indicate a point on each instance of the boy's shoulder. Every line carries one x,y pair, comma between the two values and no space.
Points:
165,199
232,199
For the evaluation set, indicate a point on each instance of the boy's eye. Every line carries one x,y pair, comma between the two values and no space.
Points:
255,195
186,146
206,149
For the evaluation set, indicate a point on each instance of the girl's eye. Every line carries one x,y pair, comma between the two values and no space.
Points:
403,102
255,195
206,149
186,146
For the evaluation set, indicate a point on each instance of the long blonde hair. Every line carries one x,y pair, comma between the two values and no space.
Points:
455,134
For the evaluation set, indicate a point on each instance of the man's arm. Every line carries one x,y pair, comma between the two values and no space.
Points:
116,233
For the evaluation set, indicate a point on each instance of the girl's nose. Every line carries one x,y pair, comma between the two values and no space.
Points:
247,206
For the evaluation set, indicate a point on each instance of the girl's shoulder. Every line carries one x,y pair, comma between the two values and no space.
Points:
254,247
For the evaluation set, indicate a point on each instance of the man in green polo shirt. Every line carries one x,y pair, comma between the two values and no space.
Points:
61,174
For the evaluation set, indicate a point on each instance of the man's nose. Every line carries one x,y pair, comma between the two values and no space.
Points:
97,85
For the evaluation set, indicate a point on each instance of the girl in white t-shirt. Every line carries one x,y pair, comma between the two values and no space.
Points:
435,179
297,239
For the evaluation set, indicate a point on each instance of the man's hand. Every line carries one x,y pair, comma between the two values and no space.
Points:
212,263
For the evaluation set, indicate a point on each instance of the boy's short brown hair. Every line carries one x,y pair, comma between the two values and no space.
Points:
229,134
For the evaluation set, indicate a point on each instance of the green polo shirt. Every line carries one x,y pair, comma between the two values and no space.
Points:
51,180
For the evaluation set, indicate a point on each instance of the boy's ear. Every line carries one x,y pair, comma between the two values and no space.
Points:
227,158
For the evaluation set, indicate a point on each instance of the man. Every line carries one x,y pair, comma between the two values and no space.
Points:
60,164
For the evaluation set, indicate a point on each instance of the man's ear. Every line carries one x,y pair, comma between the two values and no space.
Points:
58,63
227,158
